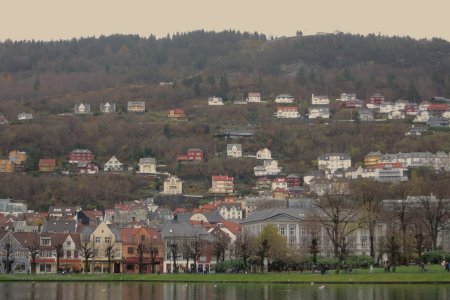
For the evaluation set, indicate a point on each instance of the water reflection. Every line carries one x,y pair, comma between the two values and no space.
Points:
208,291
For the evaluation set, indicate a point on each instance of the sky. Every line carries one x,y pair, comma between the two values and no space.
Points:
63,19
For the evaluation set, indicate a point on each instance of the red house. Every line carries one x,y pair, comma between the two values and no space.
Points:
437,107
192,154
80,155
376,99
177,113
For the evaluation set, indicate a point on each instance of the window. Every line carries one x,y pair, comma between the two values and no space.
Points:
282,231
45,268
107,240
130,250
69,254
75,254
363,242
291,243
303,231
292,230
45,241
142,238
68,243
97,239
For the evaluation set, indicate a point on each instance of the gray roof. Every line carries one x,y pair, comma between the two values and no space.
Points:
264,215
65,226
147,160
180,229
328,155
230,146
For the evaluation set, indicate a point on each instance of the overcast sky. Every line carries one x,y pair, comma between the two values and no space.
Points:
62,19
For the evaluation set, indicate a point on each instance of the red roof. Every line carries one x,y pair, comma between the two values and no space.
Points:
279,179
47,162
279,190
180,210
437,107
233,227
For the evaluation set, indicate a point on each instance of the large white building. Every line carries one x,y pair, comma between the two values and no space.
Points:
287,112
284,98
254,97
215,100
234,150
322,112
113,164
319,100
334,161
264,154
270,167
173,186
147,165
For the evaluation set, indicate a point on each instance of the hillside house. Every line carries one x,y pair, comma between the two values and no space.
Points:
192,154
334,161
136,106
107,108
287,112
82,109
264,154
322,112
422,117
347,97
222,185
396,115
279,183
47,165
87,167
147,165
24,116
254,97
319,100
234,150
177,113
230,210
215,100
79,155
3,120
172,186
6,166
284,98
270,167
113,165
365,115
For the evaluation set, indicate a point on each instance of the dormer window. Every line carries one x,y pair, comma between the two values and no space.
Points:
45,241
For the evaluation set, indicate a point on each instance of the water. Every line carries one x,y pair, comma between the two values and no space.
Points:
210,291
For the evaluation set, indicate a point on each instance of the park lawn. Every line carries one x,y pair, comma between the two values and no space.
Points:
434,274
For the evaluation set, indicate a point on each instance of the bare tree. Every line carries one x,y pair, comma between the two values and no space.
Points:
243,246
339,218
87,253
141,250
58,251
198,247
186,250
34,251
8,250
153,252
110,253
435,211
174,250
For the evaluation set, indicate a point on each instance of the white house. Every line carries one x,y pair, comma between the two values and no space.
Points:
424,106
264,154
234,150
25,116
254,97
82,108
231,211
222,184
396,115
147,165
319,100
173,186
319,112
270,167
422,117
113,164
386,107
279,183
107,107
215,100
347,97
287,112
446,114
284,98
334,161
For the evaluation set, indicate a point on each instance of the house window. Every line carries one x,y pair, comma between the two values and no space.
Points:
282,231
45,268
68,243
303,231
107,240
168,255
45,242
69,254
75,254
363,242
292,243
97,239
130,250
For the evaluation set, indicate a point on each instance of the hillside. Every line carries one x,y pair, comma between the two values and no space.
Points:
49,78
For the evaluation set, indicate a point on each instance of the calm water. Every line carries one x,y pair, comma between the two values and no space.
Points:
206,291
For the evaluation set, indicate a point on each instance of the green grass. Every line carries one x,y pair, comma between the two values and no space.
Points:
435,274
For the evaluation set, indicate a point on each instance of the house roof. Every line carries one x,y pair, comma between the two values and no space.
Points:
328,155
267,214
81,151
222,178
65,226
230,147
195,149
47,162
147,160
284,96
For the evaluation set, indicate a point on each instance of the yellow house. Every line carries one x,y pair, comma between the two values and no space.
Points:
6,166
100,239
17,157
372,159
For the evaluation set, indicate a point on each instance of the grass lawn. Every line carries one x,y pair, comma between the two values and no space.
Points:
434,274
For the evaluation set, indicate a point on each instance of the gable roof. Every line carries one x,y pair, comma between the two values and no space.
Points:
267,214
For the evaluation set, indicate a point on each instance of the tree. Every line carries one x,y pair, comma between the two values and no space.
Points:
8,250
58,250
34,251
269,244
110,252
220,245
153,251
186,250
393,250
174,250
198,247
86,253
339,218
412,93
368,192
435,211
244,247
314,250
141,249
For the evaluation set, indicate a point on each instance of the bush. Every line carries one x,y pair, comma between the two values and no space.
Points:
230,266
435,257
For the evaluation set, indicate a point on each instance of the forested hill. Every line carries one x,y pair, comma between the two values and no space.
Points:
331,64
